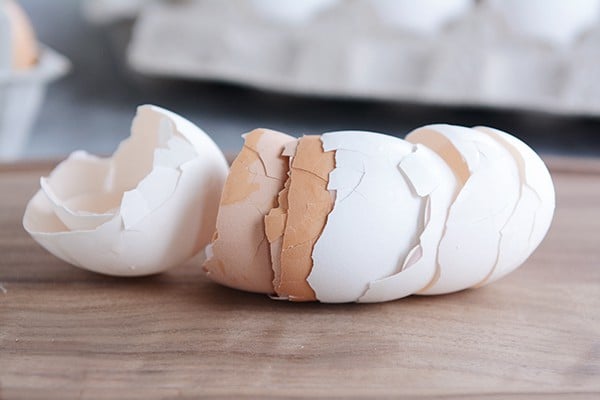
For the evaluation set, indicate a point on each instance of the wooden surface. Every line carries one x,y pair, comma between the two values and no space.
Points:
67,333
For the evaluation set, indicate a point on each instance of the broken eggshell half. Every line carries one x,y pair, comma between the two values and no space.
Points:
365,217
148,208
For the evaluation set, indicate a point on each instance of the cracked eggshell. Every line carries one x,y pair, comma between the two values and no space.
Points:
432,180
276,220
489,194
425,17
376,219
149,207
291,11
532,217
305,203
239,256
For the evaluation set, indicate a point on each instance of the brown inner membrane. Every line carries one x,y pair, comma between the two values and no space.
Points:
241,253
296,224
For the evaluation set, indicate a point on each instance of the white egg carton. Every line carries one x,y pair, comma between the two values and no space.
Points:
106,11
21,95
467,52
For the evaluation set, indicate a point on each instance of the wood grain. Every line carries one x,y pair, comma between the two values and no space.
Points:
66,333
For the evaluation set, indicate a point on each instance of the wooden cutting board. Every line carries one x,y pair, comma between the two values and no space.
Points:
67,333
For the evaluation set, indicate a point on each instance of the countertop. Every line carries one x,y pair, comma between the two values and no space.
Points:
67,333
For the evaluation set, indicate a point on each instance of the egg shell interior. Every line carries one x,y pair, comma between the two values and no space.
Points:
307,204
239,255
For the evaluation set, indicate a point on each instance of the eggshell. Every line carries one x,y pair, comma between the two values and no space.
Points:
306,204
148,208
470,246
532,217
239,256
80,181
22,44
557,22
433,180
376,219
364,217
426,17
276,219
291,11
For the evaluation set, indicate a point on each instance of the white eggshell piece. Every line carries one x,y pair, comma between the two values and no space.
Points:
470,246
433,180
83,220
533,215
558,22
376,219
291,11
537,177
426,17
80,180
150,207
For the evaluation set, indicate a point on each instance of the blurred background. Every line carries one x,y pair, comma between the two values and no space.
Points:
301,66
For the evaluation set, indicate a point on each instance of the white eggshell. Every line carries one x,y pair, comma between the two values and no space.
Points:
558,22
426,17
433,180
291,11
150,207
80,179
376,219
532,217
470,246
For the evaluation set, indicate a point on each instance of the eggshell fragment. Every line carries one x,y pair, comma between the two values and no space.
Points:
276,220
80,180
306,203
239,256
433,180
470,247
376,219
148,208
532,217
